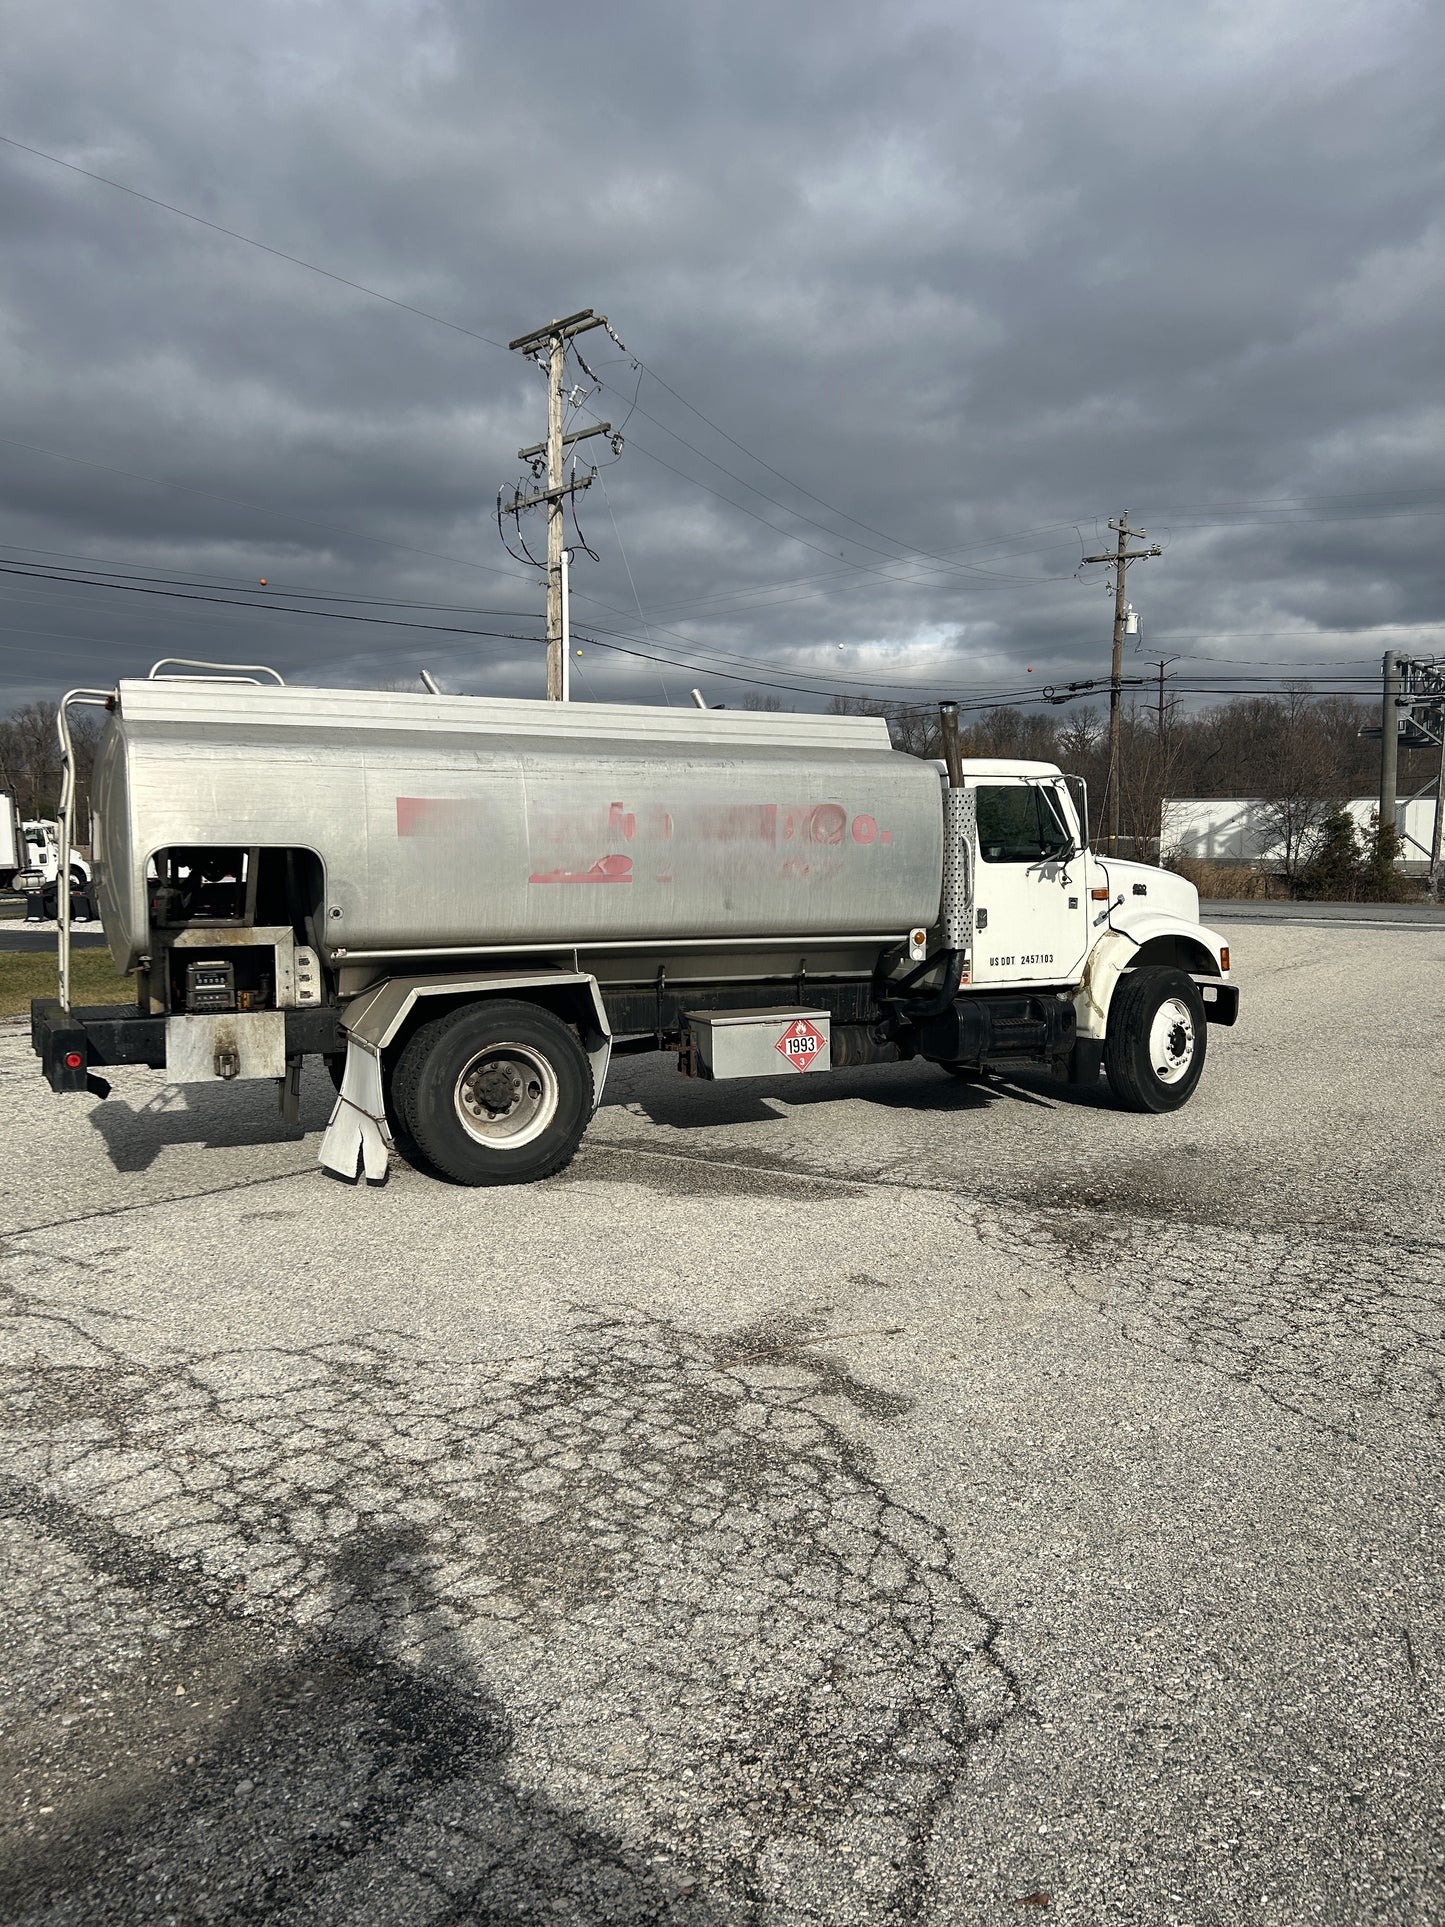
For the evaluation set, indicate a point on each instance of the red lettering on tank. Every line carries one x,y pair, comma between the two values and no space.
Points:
439,816
865,830
607,869
735,822
827,823
621,822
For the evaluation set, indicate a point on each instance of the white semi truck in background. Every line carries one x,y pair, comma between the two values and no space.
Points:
30,848
467,906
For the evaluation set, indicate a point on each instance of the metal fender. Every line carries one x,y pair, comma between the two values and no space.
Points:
376,1016
1116,951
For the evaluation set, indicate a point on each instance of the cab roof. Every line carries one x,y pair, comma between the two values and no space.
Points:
998,766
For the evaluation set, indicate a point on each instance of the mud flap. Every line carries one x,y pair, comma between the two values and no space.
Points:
357,1139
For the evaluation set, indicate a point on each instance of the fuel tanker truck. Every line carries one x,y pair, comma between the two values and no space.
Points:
467,906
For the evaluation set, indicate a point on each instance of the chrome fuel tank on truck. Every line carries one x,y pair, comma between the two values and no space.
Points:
457,821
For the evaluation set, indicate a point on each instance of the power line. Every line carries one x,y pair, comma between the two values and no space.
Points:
227,602
109,566
909,554
796,684
250,241
279,515
1220,515
24,571
703,659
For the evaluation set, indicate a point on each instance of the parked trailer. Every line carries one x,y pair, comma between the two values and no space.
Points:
466,906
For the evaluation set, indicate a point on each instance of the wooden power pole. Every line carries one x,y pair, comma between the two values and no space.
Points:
1120,556
552,341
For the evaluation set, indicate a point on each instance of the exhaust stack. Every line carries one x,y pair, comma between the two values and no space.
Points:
960,816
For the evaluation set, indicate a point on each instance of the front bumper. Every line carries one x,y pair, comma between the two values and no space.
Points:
1221,1000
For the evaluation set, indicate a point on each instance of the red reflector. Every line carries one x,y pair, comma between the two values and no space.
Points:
73,1060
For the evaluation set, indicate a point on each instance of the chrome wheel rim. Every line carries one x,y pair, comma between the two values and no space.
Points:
506,1096
1171,1041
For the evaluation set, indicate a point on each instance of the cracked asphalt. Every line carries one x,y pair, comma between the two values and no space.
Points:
873,1499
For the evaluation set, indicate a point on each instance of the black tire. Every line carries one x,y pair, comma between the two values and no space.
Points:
493,1093
1157,1037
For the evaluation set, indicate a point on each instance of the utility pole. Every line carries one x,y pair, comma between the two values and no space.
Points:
1389,739
1121,556
1163,662
552,341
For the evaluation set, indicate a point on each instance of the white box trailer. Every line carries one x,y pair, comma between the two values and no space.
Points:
466,905
13,855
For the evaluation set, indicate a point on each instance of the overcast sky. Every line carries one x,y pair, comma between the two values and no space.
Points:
948,285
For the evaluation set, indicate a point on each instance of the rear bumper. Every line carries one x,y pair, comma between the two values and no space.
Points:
115,1034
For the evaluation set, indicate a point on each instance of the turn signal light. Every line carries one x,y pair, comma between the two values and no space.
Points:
1224,956
1100,896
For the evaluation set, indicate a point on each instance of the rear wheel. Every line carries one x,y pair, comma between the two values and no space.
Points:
1154,1051
494,1093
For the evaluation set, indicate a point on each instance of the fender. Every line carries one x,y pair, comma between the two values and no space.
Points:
1154,937
358,1136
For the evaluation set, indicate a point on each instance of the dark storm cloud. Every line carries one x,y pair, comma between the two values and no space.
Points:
961,274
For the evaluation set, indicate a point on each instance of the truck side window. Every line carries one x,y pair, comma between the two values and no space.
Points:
1019,823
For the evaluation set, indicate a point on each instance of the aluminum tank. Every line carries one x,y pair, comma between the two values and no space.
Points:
446,821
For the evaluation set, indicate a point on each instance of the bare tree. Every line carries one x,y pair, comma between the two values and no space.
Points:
1301,783
912,729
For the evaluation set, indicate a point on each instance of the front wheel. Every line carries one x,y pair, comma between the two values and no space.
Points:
494,1093
1154,1050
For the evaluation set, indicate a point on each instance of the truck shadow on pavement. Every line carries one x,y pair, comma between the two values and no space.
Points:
628,1632
249,1777
216,1117
665,1098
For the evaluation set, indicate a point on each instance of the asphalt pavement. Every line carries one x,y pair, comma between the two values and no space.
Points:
29,936
871,1498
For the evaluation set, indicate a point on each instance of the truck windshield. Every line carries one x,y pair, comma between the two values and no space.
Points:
1019,823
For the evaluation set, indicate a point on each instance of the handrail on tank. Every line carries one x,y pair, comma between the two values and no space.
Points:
102,698
240,671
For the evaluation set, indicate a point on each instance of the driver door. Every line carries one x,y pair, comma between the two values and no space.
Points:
1030,893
